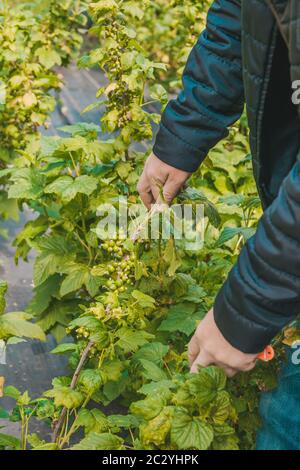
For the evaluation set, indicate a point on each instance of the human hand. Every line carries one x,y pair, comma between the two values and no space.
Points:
158,174
209,347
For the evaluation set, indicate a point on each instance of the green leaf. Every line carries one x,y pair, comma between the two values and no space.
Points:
55,251
188,432
152,371
28,184
133,9
65,396
153,352
130,340
112,369
43,295
123,421
15,325
181,317
226,443
92,420
221,408
90,380
10,442
112,390
206,384
228,233
83,129
63,348
156,431
157,388
172,258
46,446
48,57
143,300
68,188
95,441
103,6
158,92
58,312
46,265
12,392
75,280
148,408
195,294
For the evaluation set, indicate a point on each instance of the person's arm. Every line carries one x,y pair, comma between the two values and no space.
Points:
212,99
262,292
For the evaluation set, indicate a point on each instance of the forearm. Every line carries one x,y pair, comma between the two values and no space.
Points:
262,292
212,98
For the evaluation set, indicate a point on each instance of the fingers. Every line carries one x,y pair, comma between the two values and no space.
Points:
158,175
147,198
205,360
202,360
171,189
145,191
230,372
193,350
155,185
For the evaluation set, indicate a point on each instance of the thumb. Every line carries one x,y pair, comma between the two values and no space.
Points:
171,188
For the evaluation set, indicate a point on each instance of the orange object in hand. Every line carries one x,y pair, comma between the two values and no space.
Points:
267,355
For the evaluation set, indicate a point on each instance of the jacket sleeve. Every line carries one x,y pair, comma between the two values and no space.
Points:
212,98
262,292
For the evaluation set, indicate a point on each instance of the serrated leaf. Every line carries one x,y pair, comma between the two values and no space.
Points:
156,431
153,352
58,312
152,371
206,385
188,432
144,300
68,187
130,340
123,421
74,281
15,325
90,380
65,396
148,408
95,441
182,317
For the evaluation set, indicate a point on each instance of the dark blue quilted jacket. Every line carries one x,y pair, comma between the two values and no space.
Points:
249,53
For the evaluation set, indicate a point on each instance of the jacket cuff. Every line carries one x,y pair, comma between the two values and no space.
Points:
176,152
241,332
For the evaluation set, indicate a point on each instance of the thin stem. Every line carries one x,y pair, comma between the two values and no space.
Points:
80,365
74,165
22,428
